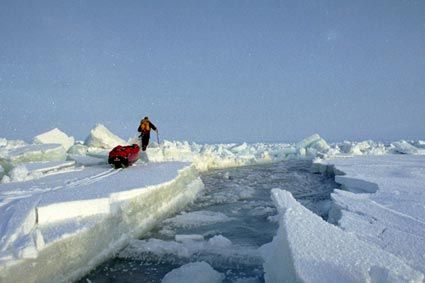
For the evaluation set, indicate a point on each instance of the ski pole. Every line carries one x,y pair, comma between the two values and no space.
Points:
157,138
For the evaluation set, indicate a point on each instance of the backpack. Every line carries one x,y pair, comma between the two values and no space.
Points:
145,126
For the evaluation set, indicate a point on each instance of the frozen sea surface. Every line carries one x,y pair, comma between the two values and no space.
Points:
224,227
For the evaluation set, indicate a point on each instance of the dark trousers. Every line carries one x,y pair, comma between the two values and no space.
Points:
145,141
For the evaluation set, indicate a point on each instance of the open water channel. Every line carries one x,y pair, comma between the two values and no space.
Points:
224,227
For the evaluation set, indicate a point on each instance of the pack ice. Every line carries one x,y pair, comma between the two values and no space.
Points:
63,210
60,217
383,203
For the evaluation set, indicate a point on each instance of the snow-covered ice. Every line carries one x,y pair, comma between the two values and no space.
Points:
209,156
383,203
87,213
101,137
31,153
404,147
58,194
34,170
78,149
308,249
48,203
87,160
55,136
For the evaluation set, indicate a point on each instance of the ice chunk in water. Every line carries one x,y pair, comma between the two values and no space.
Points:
217,249
186,238
196,272
247,280
220,241
197,218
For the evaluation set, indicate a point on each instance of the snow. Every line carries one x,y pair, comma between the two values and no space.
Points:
46,167
101,137
58,194
35,170
383,203
18,174
31,153
71,209
308,249
196,272
87,160
55,136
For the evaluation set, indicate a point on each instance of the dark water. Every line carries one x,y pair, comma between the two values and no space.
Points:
231,219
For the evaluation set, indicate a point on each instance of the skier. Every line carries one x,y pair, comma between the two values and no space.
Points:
145,131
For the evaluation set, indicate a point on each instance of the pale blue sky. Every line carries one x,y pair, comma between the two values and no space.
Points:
212,71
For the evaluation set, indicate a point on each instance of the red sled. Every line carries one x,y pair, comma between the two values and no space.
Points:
123,156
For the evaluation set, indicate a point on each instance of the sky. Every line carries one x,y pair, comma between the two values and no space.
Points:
214,71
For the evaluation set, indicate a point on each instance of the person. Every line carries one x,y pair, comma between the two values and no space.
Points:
145,131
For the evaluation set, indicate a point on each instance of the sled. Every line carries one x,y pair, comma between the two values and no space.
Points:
123,156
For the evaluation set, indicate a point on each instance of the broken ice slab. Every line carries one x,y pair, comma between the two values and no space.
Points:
32,153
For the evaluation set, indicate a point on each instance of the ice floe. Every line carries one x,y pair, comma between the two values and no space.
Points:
196,272
197,218
308,249
56,193
89,213
217,250
383,203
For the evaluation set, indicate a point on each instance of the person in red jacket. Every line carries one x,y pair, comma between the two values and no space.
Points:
145,131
